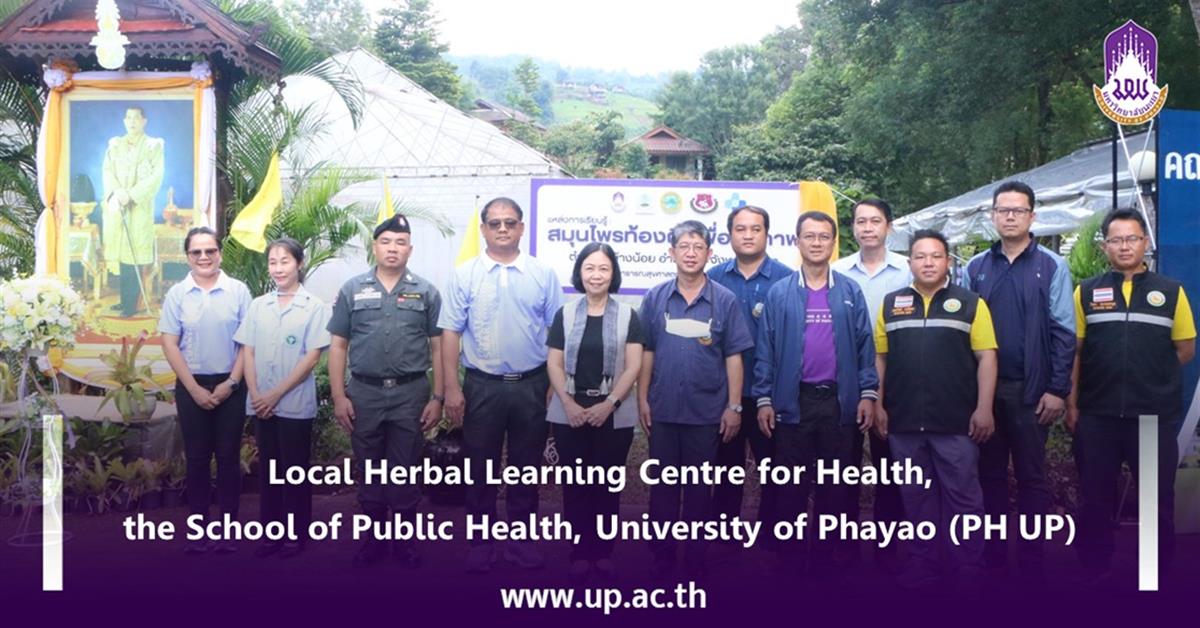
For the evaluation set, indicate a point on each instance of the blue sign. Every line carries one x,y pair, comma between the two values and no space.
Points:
1179,213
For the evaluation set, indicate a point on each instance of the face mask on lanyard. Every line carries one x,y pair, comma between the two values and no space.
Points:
687,327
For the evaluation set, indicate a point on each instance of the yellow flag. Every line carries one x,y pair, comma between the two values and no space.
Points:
470,244
386,209
250,226
817,196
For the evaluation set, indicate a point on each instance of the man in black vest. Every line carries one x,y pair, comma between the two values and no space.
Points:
1135,332
936,357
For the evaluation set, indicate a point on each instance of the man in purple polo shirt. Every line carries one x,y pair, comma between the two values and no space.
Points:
815,379
695,333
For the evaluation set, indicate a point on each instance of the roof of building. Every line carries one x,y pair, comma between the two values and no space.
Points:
664,140
156,29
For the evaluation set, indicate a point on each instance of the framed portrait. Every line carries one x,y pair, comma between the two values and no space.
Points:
134,172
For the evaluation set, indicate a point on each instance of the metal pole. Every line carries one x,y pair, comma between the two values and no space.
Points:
1114,165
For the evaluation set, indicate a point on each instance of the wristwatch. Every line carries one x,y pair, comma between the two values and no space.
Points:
736,407
438,398
233,384
613,400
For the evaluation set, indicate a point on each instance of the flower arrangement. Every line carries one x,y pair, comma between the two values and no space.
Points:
37,314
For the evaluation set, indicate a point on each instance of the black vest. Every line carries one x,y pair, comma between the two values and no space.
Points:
1128,364
930,383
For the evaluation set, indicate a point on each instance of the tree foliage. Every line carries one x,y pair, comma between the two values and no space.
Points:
407,38
336,25
921,100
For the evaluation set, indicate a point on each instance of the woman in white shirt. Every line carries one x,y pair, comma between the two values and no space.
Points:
283,335
199,317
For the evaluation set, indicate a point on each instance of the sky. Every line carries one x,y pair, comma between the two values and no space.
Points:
638,36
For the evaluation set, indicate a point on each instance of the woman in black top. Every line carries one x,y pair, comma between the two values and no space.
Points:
594,358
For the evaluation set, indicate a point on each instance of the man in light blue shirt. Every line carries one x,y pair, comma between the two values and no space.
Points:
878,272
497,309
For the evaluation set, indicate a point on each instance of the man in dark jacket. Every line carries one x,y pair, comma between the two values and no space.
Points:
1028,290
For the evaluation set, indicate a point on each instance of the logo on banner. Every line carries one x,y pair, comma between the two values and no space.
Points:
670,202
1130,94
618,202
704,203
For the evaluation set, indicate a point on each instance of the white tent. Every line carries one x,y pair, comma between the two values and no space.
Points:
1069,191
434,157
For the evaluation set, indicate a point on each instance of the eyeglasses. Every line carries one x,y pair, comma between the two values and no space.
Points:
508,224
1011,211
817,237
198,253
1130,240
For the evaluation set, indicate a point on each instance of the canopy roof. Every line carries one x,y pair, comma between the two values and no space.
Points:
1069,191
433,156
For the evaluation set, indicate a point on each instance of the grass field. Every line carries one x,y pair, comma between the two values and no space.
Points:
637,114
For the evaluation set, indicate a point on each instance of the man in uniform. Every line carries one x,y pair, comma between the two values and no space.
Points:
1028,291
1136,332
133,172
695,335
936,356
499,307
386,320
815,379
748,276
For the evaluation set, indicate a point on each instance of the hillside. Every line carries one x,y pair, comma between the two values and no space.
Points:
637,114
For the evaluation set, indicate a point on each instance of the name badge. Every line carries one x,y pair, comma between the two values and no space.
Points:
368,293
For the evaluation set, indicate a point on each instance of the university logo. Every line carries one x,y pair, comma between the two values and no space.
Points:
1130,94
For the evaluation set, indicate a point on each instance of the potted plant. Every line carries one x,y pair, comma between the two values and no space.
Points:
96,480
134,388
173,479
152,476
128,479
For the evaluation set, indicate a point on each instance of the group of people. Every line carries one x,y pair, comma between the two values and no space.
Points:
874,350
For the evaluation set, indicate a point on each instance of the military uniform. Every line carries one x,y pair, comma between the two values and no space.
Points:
389,356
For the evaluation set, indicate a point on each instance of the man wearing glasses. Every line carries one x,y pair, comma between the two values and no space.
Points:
1136,332
690,386
1027,287
497,310
814,378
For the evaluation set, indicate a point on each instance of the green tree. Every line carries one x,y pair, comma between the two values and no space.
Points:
336,25
733,87
407,38
522,93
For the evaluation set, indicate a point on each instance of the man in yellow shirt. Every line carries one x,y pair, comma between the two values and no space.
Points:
1136,332
936,356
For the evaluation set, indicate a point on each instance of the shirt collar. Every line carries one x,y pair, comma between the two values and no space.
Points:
222,282
764,269
895,260
489,263
997,247
705,292
828,283
301,299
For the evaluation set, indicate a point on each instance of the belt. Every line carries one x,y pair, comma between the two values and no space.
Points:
508,377
591,392
822,390
388,382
